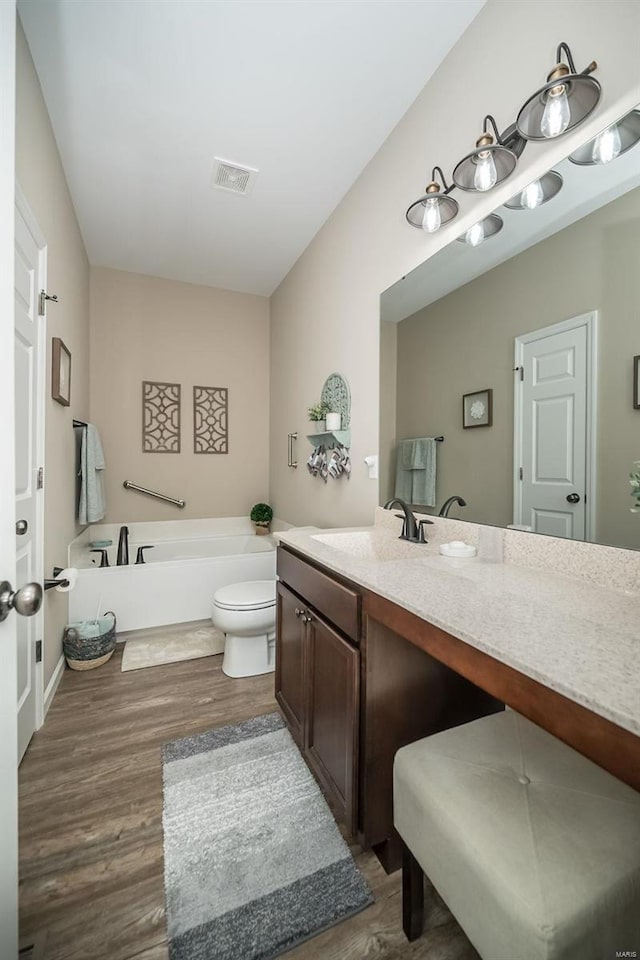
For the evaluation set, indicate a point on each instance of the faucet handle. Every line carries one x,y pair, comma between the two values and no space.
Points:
421,526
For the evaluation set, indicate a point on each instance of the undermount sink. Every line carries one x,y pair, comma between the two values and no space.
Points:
369,545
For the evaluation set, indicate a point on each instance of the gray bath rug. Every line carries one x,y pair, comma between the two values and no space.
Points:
159,645
253,860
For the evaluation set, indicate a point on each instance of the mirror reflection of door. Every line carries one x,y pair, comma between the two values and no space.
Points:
554,433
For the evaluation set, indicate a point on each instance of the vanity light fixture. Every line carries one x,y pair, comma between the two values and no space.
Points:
482,230
434,208
610,143
491,162
535,194
566,99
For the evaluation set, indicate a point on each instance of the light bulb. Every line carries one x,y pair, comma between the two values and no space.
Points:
486,175
431,220
475,234
556,114
532,196
607,145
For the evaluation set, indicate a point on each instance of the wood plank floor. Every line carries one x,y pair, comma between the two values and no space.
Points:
91,866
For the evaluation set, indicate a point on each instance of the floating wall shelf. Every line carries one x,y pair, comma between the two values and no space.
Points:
332,438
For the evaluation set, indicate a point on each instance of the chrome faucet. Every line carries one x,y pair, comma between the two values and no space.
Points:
412,529
123,547
446,506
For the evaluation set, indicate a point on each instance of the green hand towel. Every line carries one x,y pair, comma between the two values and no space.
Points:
416,471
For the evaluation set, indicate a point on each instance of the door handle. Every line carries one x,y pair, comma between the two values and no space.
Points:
26,601
21,527
573,498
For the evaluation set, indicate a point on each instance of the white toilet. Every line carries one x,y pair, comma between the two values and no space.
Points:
246,613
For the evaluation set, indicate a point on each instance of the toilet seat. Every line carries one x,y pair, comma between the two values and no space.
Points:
252,595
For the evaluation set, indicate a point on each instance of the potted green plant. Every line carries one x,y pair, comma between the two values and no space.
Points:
261,515
317,414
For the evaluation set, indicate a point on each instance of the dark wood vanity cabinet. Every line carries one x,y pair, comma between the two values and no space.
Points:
317,686
353,692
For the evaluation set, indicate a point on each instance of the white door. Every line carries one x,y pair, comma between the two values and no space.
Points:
553,429
8,673
29,267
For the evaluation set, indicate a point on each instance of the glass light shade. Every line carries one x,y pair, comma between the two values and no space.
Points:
537,193
628,134
421,214
479,172
552,111
482,230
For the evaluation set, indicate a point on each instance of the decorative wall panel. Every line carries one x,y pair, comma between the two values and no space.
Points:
210,420
160,417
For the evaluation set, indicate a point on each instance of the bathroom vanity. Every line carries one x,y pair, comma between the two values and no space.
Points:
365,666
353,691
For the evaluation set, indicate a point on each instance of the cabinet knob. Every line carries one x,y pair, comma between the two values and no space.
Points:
299,612
306,618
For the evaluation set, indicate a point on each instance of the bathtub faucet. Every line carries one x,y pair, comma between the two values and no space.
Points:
123,547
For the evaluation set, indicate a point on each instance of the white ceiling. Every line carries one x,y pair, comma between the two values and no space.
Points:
143,95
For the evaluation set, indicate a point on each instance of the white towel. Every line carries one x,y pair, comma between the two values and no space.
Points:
92,506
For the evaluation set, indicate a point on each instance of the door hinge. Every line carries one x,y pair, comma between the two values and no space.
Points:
38,651
520,371
521,473
43,302
40,478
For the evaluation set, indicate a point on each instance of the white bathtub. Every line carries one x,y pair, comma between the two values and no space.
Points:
188,562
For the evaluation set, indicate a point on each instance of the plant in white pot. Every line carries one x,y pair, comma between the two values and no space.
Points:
261,515
317,414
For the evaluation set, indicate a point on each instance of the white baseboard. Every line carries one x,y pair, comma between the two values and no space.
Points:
52,686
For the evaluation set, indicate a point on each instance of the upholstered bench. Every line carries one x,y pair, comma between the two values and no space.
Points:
534,849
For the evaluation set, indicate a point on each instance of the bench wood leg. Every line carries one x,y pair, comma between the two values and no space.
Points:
412,895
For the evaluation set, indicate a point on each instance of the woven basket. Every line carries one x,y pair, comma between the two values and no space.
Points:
87,653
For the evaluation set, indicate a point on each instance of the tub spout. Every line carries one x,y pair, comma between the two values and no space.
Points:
123,547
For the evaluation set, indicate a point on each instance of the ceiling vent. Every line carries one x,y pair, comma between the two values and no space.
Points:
232,177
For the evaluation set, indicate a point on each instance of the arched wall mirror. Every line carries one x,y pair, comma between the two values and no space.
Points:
538,329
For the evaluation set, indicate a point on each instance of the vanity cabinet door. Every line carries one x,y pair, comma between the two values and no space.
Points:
331,742
290,661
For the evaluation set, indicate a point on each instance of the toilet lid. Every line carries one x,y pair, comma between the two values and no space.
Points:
252,595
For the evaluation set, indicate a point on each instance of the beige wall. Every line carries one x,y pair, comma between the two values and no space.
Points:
325,314
464,342
145,328
41,177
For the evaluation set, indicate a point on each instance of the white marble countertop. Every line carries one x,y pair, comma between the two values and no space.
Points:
576,638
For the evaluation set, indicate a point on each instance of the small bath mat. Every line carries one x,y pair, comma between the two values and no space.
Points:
254,862
171,644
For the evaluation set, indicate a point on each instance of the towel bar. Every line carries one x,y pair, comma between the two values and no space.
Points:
151,493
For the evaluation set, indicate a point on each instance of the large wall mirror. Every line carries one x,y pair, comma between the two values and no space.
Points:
538,327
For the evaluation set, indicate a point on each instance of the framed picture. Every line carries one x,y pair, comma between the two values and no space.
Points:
477,409
60,372
636,382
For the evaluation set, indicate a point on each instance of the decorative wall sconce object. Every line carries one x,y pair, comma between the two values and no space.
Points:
566,99
160,417
60,372
611,143
477,409
482,230
435,208
491,162
535,194
210,420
